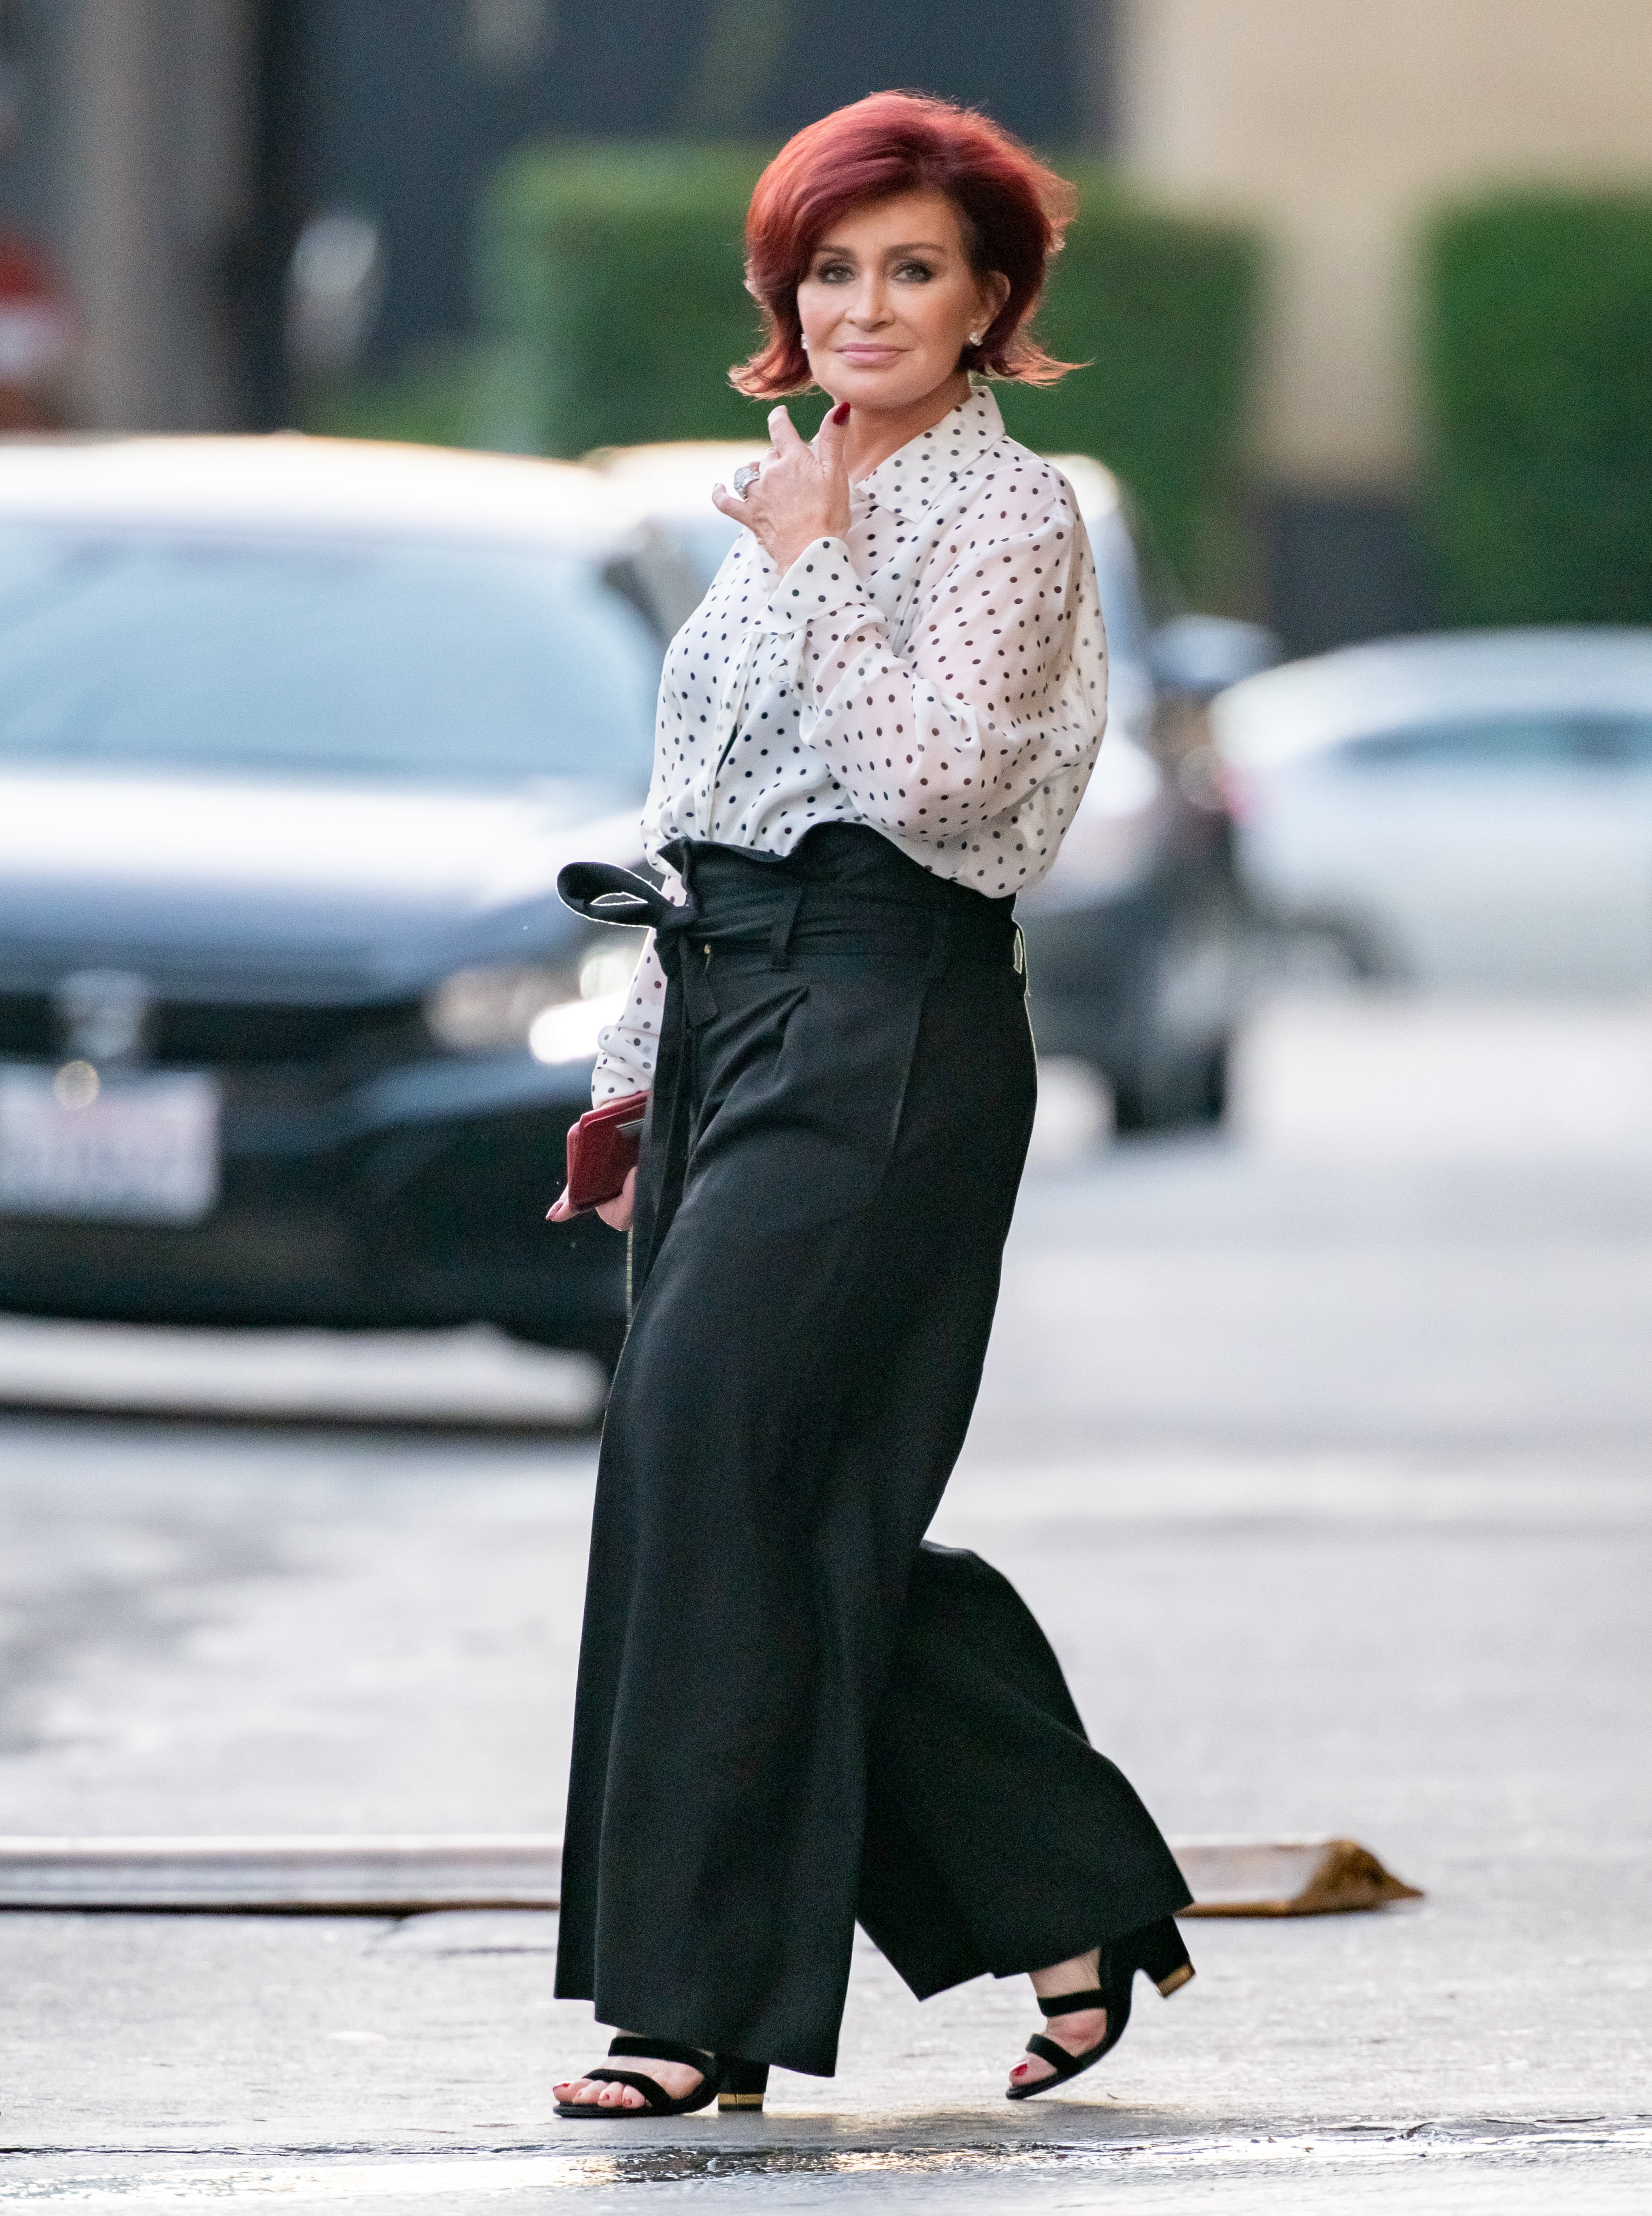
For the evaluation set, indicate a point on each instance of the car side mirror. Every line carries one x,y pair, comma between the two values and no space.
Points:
1202,655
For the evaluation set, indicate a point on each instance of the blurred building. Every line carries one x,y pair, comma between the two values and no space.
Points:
1336,125
126,167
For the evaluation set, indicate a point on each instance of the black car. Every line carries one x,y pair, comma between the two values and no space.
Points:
294,737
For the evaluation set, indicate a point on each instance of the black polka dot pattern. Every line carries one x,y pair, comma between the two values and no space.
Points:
940,674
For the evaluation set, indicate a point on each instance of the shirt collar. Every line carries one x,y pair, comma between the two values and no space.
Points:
914,477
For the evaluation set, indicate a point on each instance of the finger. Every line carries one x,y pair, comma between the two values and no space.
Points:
616,1213
560,1211
730,503
787,439
829,440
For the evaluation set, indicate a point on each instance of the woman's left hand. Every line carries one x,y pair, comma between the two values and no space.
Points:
802,492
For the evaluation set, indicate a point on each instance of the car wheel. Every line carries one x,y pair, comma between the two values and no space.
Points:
1131,1113
1188,1094
1211,1085
603,1337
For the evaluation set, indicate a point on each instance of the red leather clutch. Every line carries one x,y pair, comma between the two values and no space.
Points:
602,1150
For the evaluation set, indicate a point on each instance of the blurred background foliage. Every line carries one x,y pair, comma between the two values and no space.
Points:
612,307
437,395
1537,356
612,283
1162,311
613,297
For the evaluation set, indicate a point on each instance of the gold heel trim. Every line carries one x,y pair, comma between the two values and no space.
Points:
1178,1978
740,2101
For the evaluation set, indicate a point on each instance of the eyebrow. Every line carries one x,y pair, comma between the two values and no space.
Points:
911,246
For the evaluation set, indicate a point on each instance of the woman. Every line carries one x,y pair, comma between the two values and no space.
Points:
873,733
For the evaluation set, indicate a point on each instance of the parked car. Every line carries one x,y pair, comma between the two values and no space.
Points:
294,736
1472,809
1137,939
1136,936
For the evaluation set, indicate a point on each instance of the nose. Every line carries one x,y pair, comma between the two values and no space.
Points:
871,306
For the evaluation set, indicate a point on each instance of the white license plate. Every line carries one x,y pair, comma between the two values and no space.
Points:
143,1149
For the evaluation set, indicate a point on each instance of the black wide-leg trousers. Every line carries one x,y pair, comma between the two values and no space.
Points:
792,1713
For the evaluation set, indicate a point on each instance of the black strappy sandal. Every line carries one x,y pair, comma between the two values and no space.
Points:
724,2078
1156,1948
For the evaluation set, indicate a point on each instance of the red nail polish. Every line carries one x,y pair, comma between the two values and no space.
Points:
840,413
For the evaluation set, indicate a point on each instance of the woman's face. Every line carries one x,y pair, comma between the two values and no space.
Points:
889,301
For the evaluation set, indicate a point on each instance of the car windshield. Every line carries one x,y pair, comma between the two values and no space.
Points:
339,656
1549,739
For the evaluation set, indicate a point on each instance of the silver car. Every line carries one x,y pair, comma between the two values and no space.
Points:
1470,811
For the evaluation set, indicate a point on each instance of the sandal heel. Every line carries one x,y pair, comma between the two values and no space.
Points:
1159,1951
742,2084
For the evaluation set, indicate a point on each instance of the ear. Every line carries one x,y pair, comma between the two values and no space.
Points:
992,291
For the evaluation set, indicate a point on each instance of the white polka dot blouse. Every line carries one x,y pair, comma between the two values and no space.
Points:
939,675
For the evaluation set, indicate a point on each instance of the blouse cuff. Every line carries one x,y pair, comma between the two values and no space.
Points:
823,578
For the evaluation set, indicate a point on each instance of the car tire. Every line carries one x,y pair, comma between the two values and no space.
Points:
1211,1085
1189,1094
603,1338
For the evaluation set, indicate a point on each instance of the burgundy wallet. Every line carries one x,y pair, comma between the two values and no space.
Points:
601,1149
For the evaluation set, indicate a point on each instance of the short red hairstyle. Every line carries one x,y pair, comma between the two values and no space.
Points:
1014,212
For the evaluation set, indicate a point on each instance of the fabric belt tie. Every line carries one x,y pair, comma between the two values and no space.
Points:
604,893
751,901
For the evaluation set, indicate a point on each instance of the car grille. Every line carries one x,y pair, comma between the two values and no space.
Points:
227,1034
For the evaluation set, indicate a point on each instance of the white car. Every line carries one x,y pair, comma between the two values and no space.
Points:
1468,811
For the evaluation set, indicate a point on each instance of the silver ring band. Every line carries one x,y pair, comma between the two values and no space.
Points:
746,474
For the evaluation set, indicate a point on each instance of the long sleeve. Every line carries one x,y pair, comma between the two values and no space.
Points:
628,1049
1001,689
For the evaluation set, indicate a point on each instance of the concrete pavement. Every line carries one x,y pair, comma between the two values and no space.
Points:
1321,1457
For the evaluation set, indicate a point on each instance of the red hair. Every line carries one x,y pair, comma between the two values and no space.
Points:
1013,210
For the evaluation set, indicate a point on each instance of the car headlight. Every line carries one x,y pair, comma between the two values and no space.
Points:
555,1013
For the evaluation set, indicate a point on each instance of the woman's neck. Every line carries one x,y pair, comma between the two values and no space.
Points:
875,433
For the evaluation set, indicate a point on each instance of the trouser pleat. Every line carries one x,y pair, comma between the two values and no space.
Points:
998,1839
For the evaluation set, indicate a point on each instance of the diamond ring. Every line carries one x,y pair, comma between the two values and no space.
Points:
746,474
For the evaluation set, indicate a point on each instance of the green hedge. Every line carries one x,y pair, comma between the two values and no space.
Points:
1162,308
612,280
611,277
435,398
1538,348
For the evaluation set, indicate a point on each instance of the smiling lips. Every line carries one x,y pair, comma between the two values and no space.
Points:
864,352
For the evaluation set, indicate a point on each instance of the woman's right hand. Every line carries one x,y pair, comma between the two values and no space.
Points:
616,1213
800,494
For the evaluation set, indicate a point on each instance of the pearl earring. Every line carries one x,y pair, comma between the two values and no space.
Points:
974,338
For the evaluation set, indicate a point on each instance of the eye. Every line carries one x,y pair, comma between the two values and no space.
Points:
834,272
914,272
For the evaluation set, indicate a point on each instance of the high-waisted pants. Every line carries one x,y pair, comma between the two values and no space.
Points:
792,1712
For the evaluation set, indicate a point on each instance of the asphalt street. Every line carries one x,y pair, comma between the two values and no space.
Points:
1320,1450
